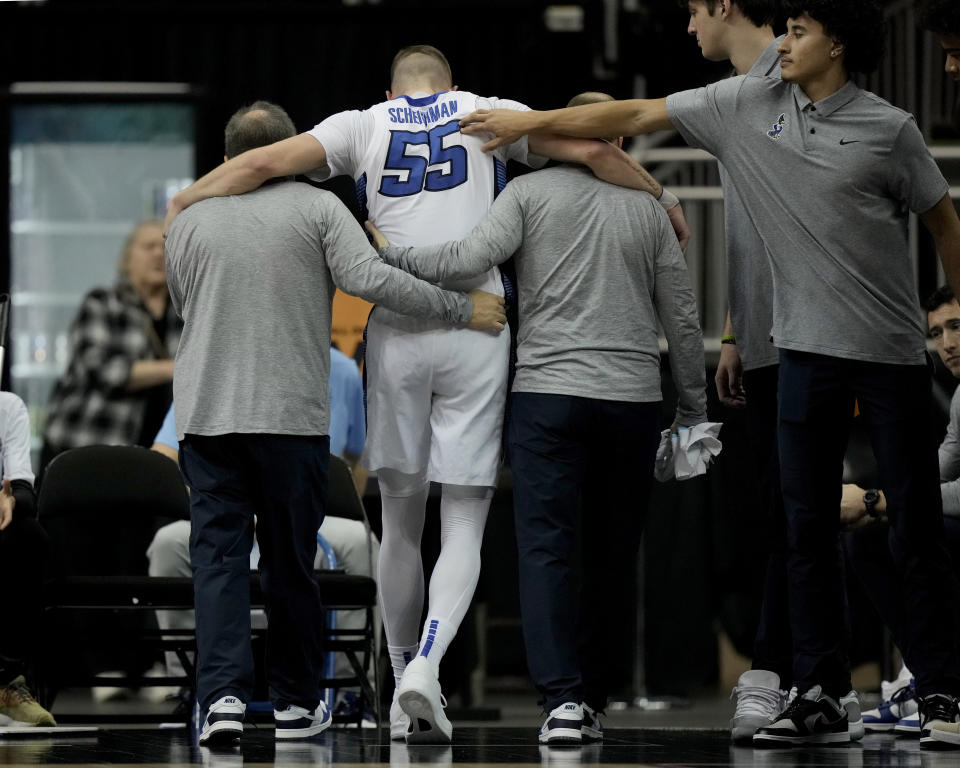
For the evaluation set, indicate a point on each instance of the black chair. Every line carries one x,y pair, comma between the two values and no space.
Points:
101,506
352,592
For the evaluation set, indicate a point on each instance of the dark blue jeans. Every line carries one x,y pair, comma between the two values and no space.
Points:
817,395
570,454
281,480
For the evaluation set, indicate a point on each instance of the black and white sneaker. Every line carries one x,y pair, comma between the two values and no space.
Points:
224,721
591,729
813,718
300,723
938,713
563,725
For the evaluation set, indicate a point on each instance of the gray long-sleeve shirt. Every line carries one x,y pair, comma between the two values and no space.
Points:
950,461
253,277
597,265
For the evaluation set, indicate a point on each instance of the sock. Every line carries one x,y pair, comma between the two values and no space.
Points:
399,658
437,636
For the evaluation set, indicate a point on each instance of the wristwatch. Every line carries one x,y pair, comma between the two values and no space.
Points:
870,499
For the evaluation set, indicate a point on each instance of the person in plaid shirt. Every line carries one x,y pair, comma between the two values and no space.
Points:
117,385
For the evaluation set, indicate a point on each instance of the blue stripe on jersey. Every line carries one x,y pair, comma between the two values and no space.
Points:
499,176
431,636
362,197
424,101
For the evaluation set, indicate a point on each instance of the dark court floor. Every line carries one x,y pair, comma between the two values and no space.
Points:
474,746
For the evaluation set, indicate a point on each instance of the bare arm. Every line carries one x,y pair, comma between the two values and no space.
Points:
611,118
607,161
730,372
944,226
248,171
149,373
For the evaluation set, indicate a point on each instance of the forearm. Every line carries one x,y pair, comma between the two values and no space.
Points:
677,310
492,242
944,226
241,174
149,373
612,118
381,284
607,161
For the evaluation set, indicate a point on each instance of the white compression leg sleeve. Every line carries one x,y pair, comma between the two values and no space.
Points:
463,515
404,500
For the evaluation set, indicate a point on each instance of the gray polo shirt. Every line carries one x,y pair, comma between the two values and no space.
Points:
253,278
749,282
828,187
597,266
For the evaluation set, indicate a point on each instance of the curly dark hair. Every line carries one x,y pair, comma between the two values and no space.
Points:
858,26
760,12
940,16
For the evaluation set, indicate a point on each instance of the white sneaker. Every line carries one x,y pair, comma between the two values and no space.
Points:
399,721
224,721
592,728
420,697
563,725
759,701
300,723
851,703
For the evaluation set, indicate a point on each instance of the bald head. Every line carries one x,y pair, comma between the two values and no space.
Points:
256,125
420,68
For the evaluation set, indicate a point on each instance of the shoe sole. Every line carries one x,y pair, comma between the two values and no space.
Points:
557,736
302,733
878,727
942,737
418,707
907,730
822,738
934,743
221,732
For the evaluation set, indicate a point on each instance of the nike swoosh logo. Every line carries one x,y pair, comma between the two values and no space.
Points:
844,142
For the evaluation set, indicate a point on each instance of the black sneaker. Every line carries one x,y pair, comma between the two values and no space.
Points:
813,718
937,712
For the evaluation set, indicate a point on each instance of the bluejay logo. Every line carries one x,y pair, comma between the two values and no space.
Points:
777,129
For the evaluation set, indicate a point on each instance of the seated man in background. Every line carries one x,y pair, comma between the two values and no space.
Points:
23,549
355,547
868,546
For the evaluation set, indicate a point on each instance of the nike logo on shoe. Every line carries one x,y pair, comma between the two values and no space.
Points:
844,142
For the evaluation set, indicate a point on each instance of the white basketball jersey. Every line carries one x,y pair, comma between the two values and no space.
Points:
420,180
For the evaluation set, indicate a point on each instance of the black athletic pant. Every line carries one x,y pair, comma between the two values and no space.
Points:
567,454
817,395
282,480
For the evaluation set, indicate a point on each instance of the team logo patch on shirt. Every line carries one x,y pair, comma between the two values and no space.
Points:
777,129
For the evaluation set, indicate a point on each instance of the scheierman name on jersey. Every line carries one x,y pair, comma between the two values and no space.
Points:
422,115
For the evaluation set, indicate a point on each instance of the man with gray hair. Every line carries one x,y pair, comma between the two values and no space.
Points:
253,277
585,411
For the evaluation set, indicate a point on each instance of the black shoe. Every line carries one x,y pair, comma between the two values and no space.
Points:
813,718
936,711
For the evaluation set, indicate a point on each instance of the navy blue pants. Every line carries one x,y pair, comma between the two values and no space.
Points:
567,454
282,480
773,647
817,395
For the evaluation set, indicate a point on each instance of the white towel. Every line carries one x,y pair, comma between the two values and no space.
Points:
688,452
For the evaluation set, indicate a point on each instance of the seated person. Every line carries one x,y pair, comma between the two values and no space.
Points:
355,548
868,544
23,549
